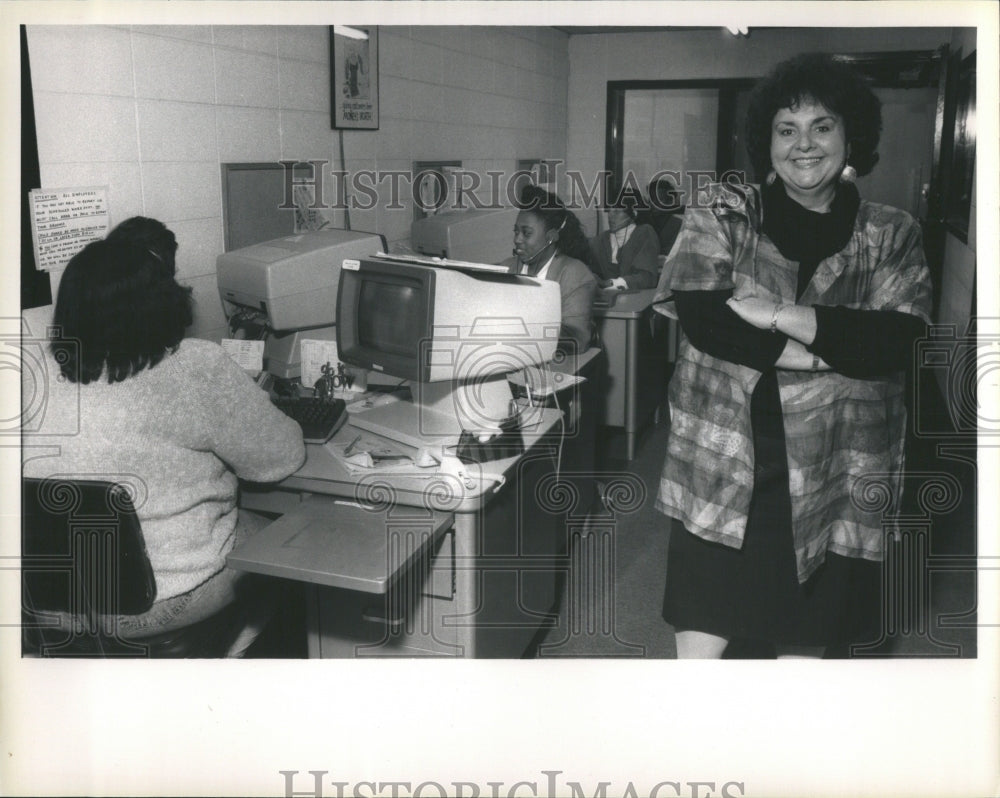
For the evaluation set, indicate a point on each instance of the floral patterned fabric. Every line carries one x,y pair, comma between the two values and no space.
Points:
844,437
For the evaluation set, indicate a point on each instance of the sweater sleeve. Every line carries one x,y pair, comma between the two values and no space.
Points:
643,268
711,326
865,343
256,440
576,287
599,256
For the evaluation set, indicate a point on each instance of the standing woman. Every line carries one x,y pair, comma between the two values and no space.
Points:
800,304
625,255
550,244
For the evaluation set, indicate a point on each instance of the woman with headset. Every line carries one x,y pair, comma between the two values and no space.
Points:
550,244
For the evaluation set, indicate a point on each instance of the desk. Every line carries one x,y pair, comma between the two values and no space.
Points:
417,565
635,384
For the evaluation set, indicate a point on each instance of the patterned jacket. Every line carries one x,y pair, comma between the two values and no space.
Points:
844,437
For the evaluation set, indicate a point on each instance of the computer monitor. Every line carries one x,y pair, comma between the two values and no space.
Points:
289,285
454,334
478,235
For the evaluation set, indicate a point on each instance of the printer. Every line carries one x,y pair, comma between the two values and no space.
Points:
289,285
480,236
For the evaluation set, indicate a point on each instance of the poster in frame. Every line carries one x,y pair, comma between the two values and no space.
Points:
354,77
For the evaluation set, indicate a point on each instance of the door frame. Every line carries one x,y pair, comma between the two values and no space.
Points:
614,140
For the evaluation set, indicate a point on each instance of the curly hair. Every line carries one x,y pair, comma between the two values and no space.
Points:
571,240
152,234
120,311
821,78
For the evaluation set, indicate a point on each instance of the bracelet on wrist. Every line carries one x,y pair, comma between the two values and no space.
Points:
774,317
815,365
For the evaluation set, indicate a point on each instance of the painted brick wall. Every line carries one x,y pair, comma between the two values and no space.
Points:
152,111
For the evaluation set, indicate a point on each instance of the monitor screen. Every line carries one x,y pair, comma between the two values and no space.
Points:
384,311
390,316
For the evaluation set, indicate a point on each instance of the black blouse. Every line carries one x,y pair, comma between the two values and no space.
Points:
855,343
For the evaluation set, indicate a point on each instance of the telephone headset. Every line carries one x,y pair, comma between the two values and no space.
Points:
551,243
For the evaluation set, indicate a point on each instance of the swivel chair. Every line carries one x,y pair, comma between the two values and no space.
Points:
84,562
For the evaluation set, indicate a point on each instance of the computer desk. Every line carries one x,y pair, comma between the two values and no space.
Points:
419,565
637,350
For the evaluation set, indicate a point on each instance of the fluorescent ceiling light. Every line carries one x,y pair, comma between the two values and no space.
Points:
350,33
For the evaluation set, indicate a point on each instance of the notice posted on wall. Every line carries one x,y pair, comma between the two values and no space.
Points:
64,221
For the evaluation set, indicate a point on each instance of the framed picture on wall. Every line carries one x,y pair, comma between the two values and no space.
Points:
354,77
961,164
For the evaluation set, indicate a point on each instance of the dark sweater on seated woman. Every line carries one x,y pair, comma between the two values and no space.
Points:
630,254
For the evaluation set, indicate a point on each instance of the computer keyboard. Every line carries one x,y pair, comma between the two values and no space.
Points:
318,418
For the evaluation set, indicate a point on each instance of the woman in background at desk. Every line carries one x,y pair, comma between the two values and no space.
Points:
800,304
176,414
665,213
625,255
549,243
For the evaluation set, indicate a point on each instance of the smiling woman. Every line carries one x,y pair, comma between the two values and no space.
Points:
800,303
809,151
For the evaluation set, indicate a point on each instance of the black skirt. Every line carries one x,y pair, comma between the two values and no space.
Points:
753,592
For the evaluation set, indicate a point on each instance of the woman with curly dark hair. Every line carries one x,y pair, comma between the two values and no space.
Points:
799,303
128,394
549,243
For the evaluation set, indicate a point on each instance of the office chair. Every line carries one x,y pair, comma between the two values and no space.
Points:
83,562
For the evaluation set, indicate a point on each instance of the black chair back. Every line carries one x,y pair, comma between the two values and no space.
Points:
82,553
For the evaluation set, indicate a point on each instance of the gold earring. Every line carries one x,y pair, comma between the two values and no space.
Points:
849,174
771,177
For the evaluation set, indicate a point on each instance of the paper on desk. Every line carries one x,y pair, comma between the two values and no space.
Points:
316,354
249,355
362,453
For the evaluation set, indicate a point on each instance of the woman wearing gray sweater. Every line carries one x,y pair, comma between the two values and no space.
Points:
128,398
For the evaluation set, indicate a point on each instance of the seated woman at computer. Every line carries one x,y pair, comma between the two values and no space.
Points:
129,396
549,243
625,253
